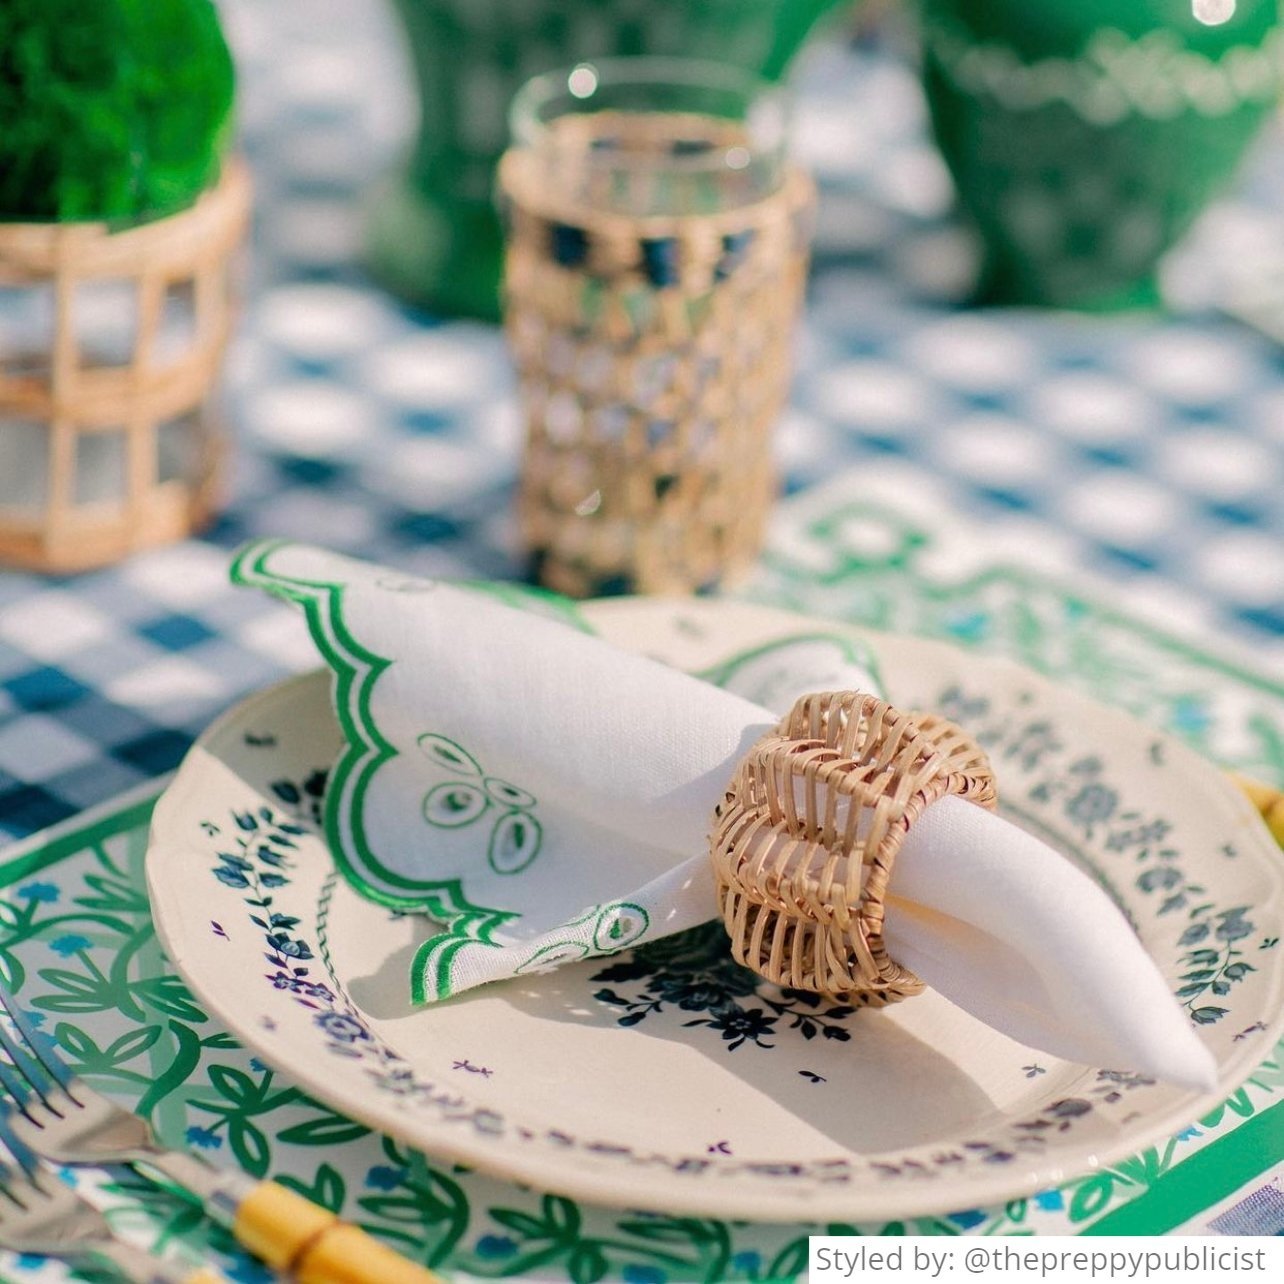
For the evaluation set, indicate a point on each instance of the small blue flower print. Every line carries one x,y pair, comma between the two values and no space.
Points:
257,1066
383,1177
1190,714
338,1025
495,1246
1232,926
296,985
972,1217
203,1138
639,1273
46,893
1093,803
1051,1201
748,1261
69,944
1189,1134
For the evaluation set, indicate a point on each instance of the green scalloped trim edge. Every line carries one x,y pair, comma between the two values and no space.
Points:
356,670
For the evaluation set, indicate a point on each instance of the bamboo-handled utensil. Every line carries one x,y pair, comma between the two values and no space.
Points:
41,1214
62,1118
1269,801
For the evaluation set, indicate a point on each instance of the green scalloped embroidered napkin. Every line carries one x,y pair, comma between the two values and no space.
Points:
546,797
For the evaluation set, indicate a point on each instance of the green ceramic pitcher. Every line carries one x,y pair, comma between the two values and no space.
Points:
1085,136
433,235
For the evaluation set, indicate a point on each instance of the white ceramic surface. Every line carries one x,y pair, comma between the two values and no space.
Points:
668,1079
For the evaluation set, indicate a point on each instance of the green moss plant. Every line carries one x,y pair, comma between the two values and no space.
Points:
114,110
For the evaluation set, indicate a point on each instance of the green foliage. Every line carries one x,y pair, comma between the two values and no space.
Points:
116,110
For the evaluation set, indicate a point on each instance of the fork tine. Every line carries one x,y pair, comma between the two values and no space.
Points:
52,1064
26,1157
32,1072
14,1084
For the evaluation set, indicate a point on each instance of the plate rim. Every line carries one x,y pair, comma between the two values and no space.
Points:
565,1172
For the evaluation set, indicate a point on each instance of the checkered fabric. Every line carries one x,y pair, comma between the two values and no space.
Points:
1151,448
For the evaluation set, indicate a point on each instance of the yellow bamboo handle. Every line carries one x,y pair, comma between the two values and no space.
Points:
293,1235
345,1254
205,1276
1268,801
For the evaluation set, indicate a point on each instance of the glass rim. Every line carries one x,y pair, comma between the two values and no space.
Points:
528,128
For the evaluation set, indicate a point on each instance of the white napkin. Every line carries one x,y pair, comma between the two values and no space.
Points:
547,797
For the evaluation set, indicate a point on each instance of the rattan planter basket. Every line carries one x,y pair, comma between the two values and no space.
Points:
110,347
805,838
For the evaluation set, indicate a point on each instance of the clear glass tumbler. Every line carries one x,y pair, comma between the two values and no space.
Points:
656,253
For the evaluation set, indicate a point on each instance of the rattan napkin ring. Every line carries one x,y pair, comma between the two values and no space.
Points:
804,840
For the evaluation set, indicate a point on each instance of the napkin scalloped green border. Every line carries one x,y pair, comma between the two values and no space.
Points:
356,669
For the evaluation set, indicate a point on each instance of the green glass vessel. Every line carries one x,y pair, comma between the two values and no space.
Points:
433,234
1084,138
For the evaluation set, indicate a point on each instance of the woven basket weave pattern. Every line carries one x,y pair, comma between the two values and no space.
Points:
804,841
654,358
59,393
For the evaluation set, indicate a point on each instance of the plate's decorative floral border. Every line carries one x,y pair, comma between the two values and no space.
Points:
1078,791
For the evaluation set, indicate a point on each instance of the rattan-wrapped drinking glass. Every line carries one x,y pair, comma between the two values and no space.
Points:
656,257
804,841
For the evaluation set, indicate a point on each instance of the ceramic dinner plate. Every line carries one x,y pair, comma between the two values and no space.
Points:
669,1078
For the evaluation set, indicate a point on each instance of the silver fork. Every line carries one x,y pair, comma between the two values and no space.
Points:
62,1118
41,1214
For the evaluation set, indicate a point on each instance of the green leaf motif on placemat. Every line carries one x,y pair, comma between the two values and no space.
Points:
872,564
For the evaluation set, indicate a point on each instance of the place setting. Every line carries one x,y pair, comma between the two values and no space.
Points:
594,947
636,638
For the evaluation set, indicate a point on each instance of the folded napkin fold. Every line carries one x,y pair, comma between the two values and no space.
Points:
547,797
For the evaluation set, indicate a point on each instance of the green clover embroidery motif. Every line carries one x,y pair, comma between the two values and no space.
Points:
515,836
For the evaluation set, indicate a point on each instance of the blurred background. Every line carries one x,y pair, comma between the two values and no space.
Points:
1094,429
